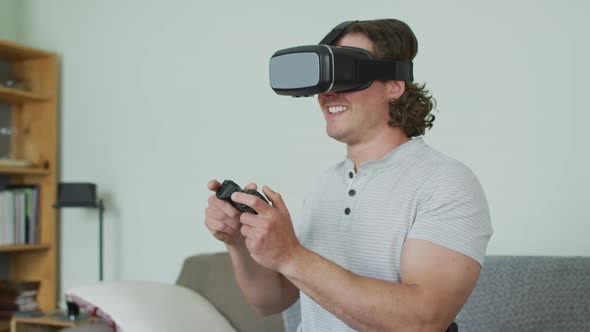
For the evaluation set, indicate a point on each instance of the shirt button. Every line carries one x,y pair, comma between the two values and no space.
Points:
347,211
350,175
351,192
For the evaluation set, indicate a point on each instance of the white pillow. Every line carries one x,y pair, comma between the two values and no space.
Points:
149,306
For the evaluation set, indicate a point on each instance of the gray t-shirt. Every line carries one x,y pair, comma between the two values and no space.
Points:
360,221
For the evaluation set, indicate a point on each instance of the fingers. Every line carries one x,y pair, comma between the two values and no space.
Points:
247,231
217,228
213,222
224,206
223,237
251,238
217,214
259,205
252,201
250,220
221,218
251,185
213,185
275,198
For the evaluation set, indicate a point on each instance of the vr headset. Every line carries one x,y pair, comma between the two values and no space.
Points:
304,71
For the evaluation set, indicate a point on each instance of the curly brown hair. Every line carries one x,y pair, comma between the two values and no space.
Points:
393,39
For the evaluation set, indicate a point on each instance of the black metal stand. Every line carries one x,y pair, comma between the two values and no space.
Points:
83,195
100,236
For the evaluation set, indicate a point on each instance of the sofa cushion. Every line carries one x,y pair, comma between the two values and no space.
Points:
212,276
523,293
150,306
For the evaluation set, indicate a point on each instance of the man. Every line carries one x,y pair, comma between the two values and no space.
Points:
390,239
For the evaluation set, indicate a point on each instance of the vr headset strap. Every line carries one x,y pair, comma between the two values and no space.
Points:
336,32
385,70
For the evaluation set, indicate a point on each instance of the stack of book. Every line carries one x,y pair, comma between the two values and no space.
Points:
18,298
19,215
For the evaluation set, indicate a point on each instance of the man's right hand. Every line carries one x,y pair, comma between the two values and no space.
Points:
268,292
221,218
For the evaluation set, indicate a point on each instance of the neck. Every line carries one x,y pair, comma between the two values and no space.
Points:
376,148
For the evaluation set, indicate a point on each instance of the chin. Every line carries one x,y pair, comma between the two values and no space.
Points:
340,137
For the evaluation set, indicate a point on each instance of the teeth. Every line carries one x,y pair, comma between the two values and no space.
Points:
337,109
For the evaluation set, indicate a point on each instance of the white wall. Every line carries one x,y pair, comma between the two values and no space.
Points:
9,14
159,97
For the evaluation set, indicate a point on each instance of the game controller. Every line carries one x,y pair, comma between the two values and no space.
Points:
228,187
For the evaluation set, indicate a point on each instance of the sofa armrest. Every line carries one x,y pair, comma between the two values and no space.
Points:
211,275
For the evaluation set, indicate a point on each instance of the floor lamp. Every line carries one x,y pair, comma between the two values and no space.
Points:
83,195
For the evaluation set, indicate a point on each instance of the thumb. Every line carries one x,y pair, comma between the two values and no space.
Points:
275,198
213,185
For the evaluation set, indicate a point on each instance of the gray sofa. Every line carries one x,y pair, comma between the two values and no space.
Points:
522,293
514,293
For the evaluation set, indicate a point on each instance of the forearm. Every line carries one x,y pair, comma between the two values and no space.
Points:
268,292
363,303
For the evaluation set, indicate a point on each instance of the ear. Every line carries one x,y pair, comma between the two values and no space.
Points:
395,89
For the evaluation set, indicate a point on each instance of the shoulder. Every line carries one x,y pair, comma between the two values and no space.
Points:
442,168
444,176
452,209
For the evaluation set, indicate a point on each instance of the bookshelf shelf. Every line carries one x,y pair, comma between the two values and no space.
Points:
24,170
15,96
24,247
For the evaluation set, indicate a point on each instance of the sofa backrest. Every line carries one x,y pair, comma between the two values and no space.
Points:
524,293
514,293
211,275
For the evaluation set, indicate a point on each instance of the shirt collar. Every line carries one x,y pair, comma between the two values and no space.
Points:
389,159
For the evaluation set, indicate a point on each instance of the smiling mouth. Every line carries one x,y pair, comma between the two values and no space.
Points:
337,109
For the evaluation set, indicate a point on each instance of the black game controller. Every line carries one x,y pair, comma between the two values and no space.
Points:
229,187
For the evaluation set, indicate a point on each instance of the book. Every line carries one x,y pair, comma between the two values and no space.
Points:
18,286
19,214
20,298
7,220
19,307
21,294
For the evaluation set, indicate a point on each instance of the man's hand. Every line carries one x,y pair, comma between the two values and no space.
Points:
221,218
269,235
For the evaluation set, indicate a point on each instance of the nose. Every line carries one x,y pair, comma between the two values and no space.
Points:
326,96
330,94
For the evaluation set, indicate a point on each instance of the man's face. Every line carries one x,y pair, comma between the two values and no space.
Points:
356,117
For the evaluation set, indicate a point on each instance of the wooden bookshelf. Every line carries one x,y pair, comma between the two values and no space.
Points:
34,115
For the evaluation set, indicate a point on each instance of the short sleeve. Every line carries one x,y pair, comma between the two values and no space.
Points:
453,212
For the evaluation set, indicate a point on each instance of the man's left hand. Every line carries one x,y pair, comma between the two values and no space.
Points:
269,235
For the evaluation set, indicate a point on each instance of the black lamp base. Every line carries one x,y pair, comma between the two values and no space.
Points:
83,195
